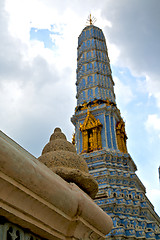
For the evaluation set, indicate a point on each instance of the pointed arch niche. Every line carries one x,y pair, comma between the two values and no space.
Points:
91,133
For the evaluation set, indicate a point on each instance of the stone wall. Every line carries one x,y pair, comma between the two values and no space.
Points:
37,201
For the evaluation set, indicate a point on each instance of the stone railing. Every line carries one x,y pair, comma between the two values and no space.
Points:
9,231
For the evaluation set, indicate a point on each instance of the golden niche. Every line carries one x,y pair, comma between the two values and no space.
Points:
121,136
91,133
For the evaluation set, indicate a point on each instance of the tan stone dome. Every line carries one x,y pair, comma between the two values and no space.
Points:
58,142
57,134
60,156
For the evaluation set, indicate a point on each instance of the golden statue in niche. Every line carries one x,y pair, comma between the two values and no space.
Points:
91,133
91,142
121,136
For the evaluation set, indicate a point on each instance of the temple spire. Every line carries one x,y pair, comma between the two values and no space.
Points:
100,137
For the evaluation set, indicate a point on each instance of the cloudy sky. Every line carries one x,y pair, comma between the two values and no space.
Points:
38,47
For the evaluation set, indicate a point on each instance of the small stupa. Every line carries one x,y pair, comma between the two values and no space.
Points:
60,156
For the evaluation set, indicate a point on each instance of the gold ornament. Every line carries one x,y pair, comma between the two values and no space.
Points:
121,136
91,133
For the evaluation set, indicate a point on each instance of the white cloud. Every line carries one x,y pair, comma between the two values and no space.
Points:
153,124
36,84
135,32
114,52
153,87
123,92
154,196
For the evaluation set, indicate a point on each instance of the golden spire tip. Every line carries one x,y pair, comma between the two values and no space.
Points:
90,20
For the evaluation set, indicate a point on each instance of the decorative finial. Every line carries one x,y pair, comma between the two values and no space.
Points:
90,20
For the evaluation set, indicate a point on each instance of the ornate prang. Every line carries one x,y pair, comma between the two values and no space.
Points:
121,193
91,133
121,136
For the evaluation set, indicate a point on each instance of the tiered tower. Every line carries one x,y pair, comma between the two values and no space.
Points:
100,138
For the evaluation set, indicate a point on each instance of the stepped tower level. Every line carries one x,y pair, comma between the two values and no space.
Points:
100,138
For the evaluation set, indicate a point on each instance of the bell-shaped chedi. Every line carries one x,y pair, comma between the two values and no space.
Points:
60,156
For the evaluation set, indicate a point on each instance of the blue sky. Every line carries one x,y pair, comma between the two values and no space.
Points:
42,35
38,72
